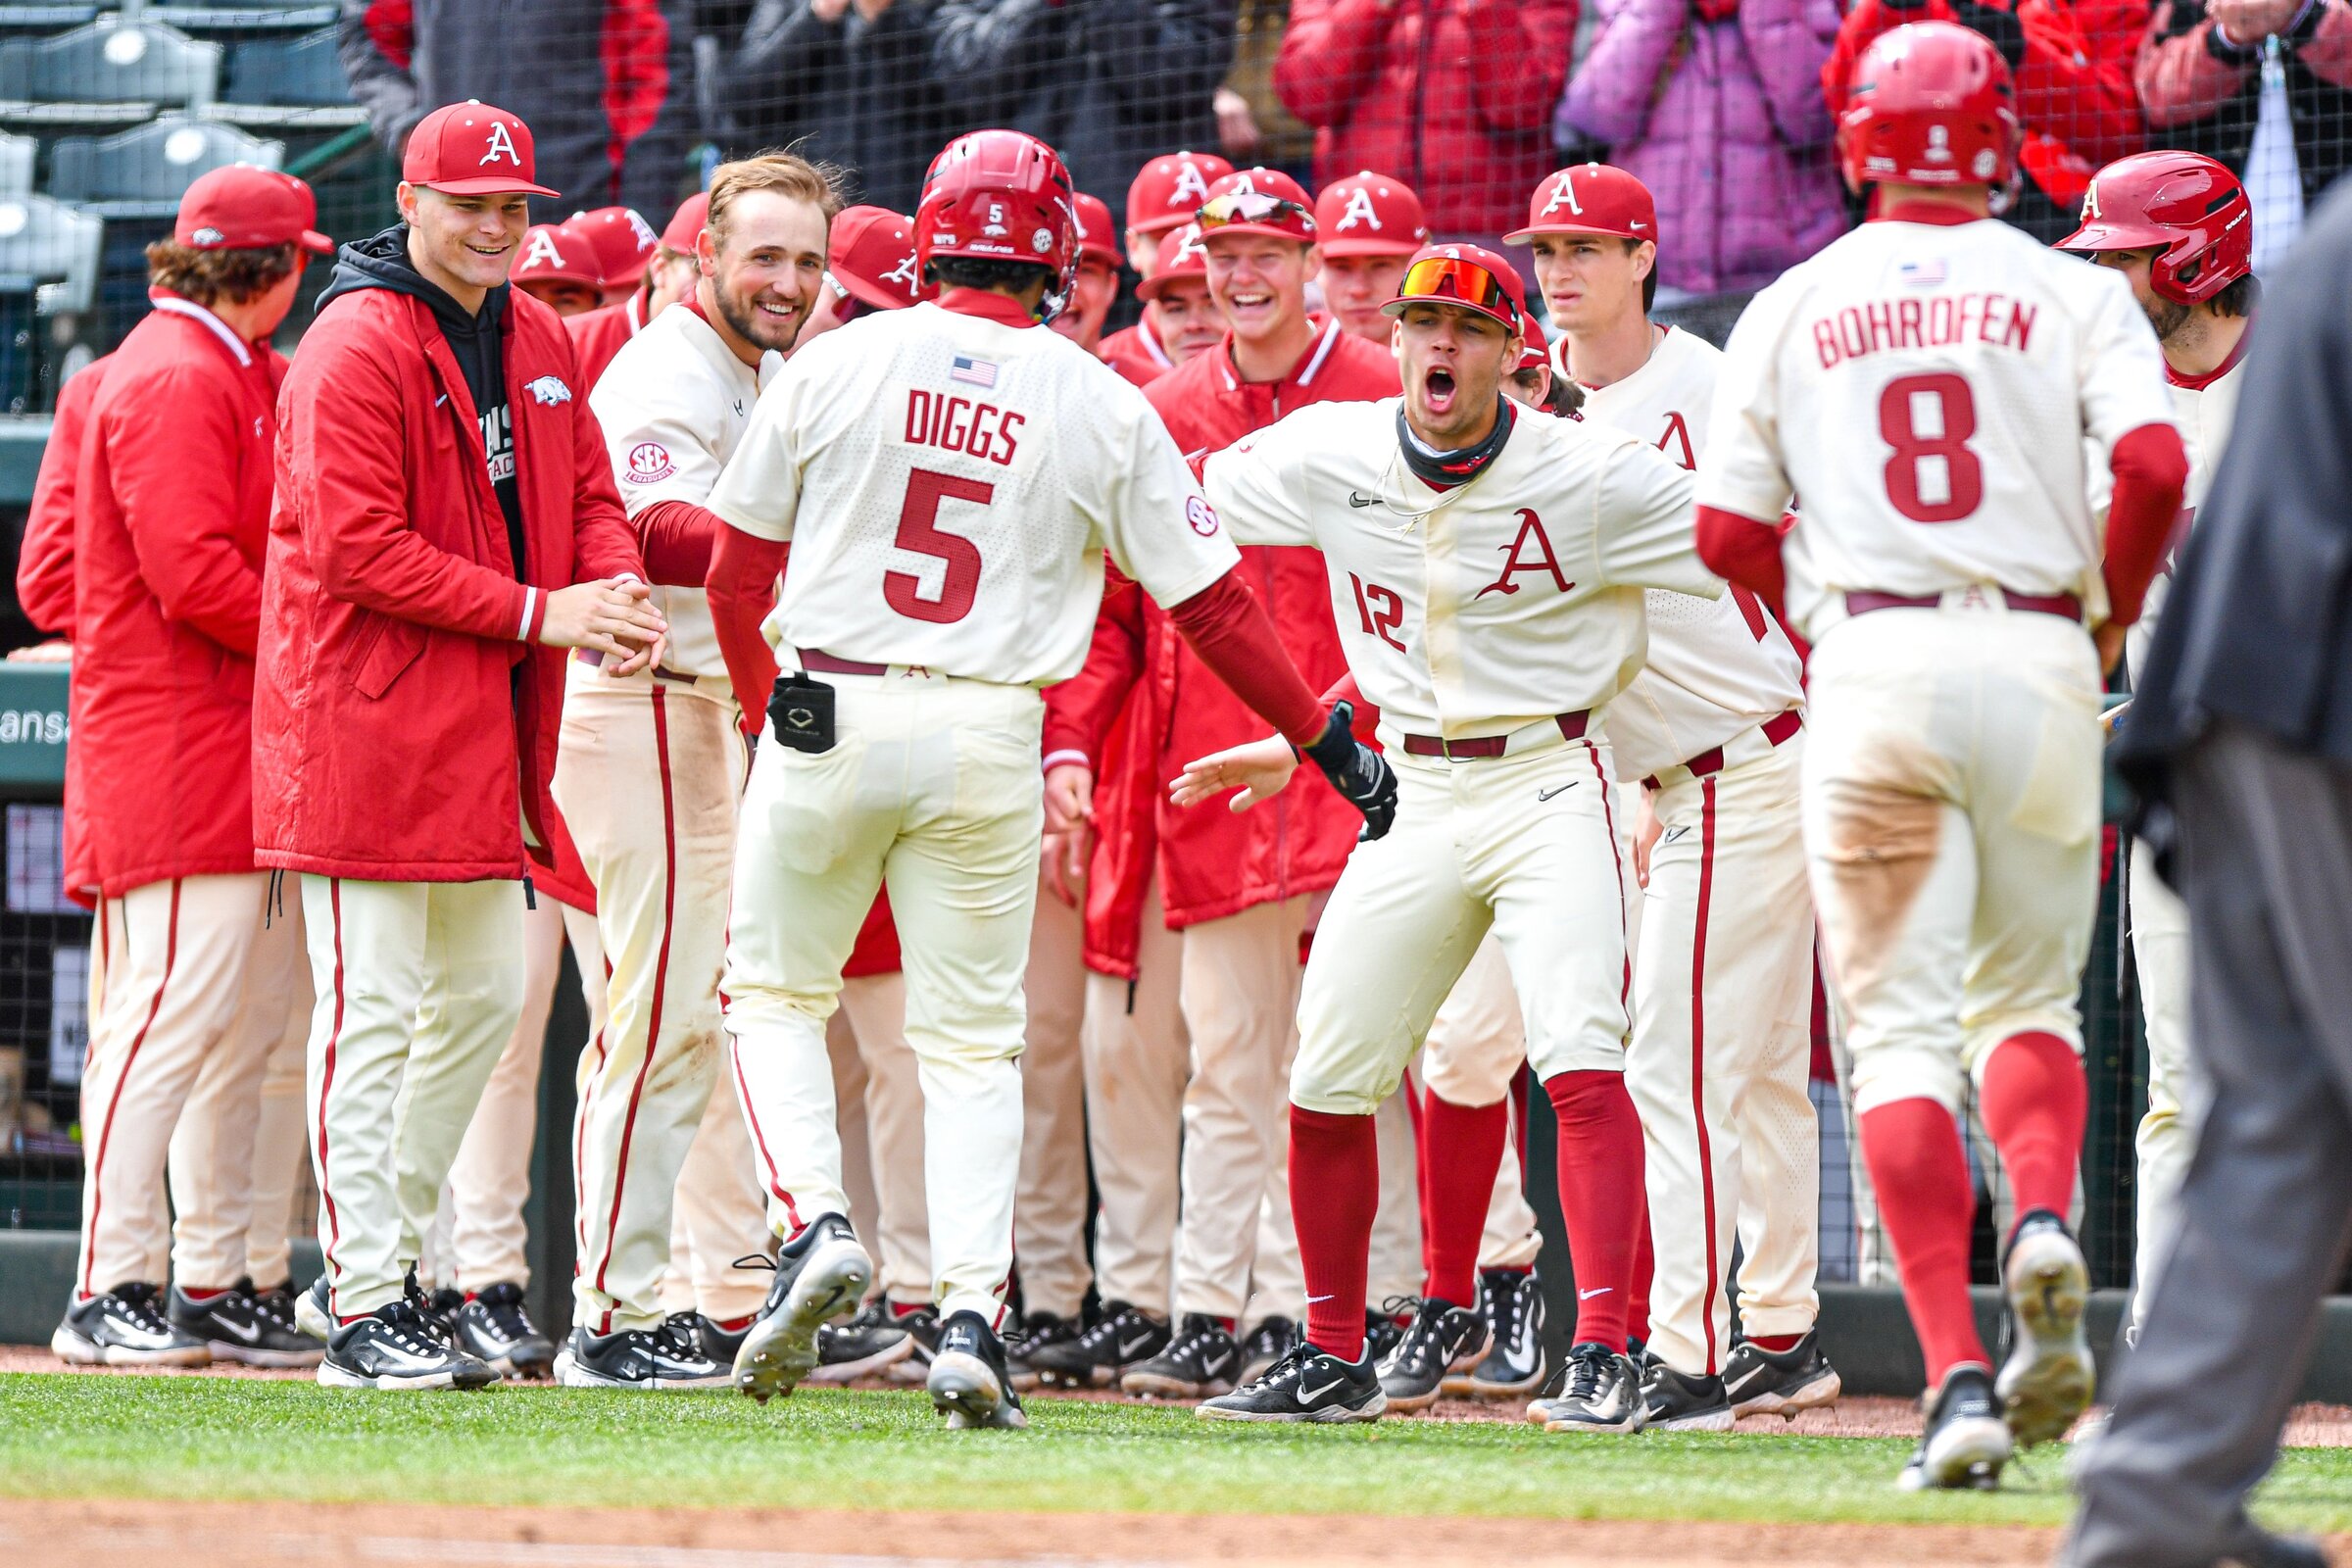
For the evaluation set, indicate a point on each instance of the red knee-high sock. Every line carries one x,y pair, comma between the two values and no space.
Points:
1920,1174
1646,1264
1600,1196
1335,1189
2035,1102
1461,1150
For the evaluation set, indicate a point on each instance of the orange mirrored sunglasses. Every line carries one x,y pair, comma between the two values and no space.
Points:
1445,278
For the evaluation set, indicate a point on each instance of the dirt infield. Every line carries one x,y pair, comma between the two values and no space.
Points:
319,1535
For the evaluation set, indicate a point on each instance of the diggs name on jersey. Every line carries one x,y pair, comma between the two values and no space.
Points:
962,424
1919,323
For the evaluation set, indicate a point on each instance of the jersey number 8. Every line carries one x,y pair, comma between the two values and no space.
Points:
1962,487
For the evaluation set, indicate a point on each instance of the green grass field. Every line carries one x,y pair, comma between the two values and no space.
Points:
222,1438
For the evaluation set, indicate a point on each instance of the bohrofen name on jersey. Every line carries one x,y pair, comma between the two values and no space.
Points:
990,468
1976,375
1480,609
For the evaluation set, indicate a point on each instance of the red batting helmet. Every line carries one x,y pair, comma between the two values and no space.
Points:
1931,104
2188,209
1001,196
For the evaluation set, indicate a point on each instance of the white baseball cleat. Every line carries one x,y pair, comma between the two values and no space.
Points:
822,1274
2049,1376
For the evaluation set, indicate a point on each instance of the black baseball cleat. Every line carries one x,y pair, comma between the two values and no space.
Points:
440,1308
1202,1360
1304,1385
1514,1365
395,1347
1966,1441
1266,1344
124,1327
1442,1339
1385,1327
821,1274
1124,1337
1674,1403
1037,1332
866,1343
311,1313
493,1325
715,1340
921,1327
2048,1378
1761,1382
663,1357
1597,1390
241,1325
968,1382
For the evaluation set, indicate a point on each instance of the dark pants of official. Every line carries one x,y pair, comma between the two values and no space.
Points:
2266,1213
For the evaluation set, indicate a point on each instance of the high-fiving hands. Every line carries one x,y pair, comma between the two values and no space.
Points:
610,615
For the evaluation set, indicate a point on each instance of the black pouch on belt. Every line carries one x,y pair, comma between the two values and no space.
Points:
799,713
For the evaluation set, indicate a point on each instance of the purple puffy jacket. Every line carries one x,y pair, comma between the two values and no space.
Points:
1724,121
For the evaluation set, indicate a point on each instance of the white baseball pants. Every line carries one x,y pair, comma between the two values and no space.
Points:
1138,1058
1952,819
932,786
1722,1048
280,1144
2168,1132
878,1090
1050,1210
419,987
715,1218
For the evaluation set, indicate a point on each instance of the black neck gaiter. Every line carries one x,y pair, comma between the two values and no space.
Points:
1444,470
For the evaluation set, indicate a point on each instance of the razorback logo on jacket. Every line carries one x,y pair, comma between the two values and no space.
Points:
550,390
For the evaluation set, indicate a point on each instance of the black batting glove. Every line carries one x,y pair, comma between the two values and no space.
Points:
1361,775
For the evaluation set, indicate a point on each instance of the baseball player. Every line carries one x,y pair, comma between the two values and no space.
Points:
1370,226
625,247
171,504
903,736
1931,384
1707,740
599,335
1098,286
2179,226
439,488
870,261
1162,198
558,269
1179,319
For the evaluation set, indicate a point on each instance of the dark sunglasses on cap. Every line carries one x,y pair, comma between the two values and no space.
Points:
1451,279
1251,207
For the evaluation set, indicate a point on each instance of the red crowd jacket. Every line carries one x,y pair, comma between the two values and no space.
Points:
1167,709
393,738
171,510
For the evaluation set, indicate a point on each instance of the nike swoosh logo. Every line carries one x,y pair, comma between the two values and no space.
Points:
396,1357
1307,1396
1744,1379
250,1333
1355,499
1128,1347
1546,795
1675,833
1587,1296
1313,1300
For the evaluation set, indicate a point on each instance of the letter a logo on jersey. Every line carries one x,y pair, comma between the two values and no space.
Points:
1563,194
1529,550
501,144
1359,209
1677,432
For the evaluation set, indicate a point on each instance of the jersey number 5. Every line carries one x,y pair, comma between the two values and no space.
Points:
920,533
1953,487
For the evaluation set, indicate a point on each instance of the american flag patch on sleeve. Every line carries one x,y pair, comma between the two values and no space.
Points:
973,372
1923,274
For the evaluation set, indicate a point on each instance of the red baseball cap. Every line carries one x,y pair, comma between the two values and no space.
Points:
1098,241
1534,351
685,226
1259,201
240,207
472,149
1589,199
1468,275
1370,214
871,255
1181,256
624,243
556,252
1169,190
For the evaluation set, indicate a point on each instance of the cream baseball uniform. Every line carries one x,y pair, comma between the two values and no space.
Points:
948,483
2168,1132
647,773
1936,393
1722,963
1499,607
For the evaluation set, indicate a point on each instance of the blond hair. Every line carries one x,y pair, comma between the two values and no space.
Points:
786,174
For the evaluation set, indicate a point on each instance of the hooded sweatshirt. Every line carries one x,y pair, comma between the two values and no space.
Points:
381,260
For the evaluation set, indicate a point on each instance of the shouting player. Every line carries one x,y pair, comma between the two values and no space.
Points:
1487,568
965,471
2179,227
1931,385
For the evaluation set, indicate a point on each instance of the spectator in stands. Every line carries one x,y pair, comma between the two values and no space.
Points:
1453,97
2265,86
607,83
1111,83
851,77
2072,59
1252,125
1716,106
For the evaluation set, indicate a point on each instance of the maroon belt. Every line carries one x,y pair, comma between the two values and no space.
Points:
1776,729
1862,601
1572,727
822,663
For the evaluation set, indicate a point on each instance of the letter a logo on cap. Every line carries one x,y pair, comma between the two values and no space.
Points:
1190,189
1563,194
1359,209
542,250
500,142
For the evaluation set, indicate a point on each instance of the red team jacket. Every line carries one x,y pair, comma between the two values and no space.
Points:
600,334
389,720
171,511
1211,862
1135,353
